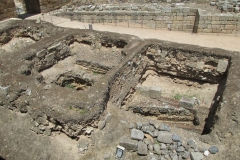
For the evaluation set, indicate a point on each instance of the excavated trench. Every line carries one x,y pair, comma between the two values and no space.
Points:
82,72
175,85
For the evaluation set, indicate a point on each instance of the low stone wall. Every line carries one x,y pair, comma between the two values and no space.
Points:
181,19
219,23
7,9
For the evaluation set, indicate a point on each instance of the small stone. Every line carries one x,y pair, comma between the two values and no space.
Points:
163,146
180,149
108,117
187,102
137,134
128,144
206,153
155,133
179,144
156,125
132,125
213,149
156,148
186,155
101,124
164,137
142,149
139,125
147,141
145,128
164,127
164,152
150,148
176,138
222,65
196,156
191,143
174,156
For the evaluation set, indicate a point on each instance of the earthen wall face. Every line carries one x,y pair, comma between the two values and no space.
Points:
7,9
49,5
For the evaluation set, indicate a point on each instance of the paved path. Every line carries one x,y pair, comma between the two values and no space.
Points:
213,41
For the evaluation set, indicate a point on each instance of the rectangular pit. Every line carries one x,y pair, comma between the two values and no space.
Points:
189,85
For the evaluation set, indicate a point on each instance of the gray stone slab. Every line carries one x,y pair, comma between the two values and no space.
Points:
222,65
200,65
155,92
196,156
187,102
137,134
128,144
142,149
164,137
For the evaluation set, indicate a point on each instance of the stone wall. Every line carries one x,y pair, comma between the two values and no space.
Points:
7,9
181,19
176,18
219,23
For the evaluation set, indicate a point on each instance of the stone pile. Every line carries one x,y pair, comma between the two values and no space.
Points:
158,142
227,6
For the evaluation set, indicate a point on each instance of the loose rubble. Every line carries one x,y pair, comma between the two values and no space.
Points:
157,141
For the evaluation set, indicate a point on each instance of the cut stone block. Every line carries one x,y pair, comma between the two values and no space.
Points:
137,134
196,156
187,102
147,91
164,137
128,144
155,92
142,149
200,65
222,65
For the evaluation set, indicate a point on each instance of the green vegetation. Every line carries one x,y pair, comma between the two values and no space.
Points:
178,96
83,111
70,107
69,86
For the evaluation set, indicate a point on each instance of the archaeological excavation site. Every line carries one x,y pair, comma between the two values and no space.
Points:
83,94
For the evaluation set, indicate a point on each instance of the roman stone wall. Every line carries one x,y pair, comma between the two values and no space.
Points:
219,23
181,19
7,9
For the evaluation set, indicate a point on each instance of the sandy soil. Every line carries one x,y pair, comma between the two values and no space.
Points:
203,92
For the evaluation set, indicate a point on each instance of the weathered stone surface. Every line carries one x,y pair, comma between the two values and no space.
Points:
196,156
180,149
142,149
137,134
132,125
213,149
164,127
222,65
191,143
164,137
176,138
187,102
155,92
101,124
128,144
